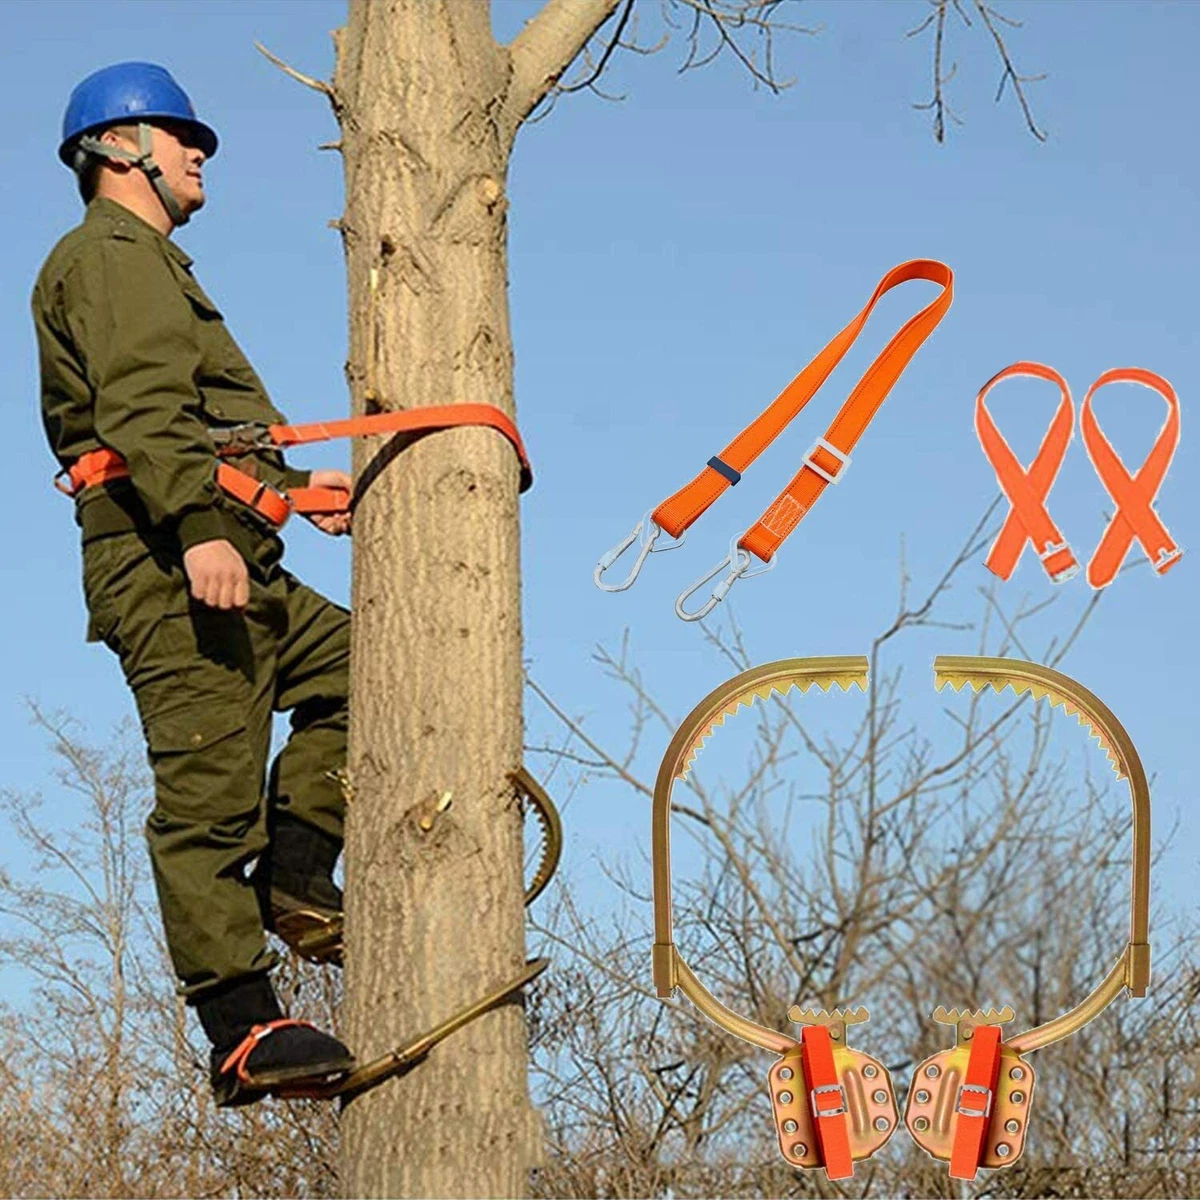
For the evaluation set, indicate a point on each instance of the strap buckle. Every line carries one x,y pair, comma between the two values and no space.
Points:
1167,557
1067,572
977,1090
843,460
647,531
826,1088
239,439
738,561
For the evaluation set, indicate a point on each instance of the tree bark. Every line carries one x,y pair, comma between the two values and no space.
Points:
429,104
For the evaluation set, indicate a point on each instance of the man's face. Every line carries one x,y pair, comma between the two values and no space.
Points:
181,161
173,147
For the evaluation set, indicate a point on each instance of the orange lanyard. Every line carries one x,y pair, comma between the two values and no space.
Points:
1028,522
1133,495
824,464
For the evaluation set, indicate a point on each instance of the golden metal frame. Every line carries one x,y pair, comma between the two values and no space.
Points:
1132,968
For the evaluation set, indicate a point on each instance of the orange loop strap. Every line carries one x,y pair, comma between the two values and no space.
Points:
827,1099
1028,521
242,1051
973,1104
1133,495
829,456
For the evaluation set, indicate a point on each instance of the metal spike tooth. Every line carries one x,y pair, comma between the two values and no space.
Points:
822,1016
746,699
978,1016
1039,692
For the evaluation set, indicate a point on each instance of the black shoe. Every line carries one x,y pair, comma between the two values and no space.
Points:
232,1013
296,894
285,1057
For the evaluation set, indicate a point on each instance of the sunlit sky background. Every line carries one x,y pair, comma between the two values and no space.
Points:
676,256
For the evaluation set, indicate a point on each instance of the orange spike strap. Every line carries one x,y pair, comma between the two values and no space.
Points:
1028,522
974,1103
1135,518
827,1096
236,1060
824,464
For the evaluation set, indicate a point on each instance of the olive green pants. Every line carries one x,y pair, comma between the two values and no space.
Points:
206,684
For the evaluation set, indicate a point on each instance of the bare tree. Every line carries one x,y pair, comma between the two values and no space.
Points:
429,104
886,866
103,1091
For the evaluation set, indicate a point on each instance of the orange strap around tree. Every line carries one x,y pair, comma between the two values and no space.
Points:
1028,520
827,1098
1133,495
419,422
827,460
973,1105
104,465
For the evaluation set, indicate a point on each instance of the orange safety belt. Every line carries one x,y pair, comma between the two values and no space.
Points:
1028,520
1133,495
825,462
827,1098
104,465
973,1105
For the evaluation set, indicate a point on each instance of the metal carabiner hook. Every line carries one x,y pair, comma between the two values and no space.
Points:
648,531
738,561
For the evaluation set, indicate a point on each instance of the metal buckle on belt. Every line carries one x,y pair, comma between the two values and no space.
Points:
843,460
1053,548
985,1092
828,1112
239,439
1166,557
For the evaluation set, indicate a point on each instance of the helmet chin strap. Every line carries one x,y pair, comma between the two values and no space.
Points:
90,144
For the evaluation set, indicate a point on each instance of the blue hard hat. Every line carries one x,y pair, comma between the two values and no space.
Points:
126,93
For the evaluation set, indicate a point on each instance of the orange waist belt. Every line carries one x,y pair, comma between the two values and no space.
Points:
104,465
824,464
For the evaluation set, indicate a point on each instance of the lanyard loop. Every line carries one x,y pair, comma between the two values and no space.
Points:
1135,518
1028,521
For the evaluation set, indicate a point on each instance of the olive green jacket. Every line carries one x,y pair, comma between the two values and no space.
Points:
135,357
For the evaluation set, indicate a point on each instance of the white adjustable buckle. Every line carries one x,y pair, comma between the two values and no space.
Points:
822,444
986,1092
1053,548
1166,556
828,1112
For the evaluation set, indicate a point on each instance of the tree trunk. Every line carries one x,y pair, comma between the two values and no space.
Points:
429,105
434,920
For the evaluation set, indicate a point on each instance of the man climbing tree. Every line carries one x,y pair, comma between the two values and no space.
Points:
140,384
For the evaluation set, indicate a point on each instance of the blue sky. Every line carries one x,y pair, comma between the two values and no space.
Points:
675,259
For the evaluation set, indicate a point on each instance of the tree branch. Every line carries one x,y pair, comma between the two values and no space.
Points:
548,45
317,85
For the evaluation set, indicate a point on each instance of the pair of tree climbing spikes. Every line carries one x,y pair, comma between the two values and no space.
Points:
241,1084
968,1106
824,464
1029,522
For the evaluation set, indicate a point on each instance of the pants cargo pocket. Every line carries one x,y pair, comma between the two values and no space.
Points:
207,825
205,773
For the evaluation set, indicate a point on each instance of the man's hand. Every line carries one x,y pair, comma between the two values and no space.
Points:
334,524
217,574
